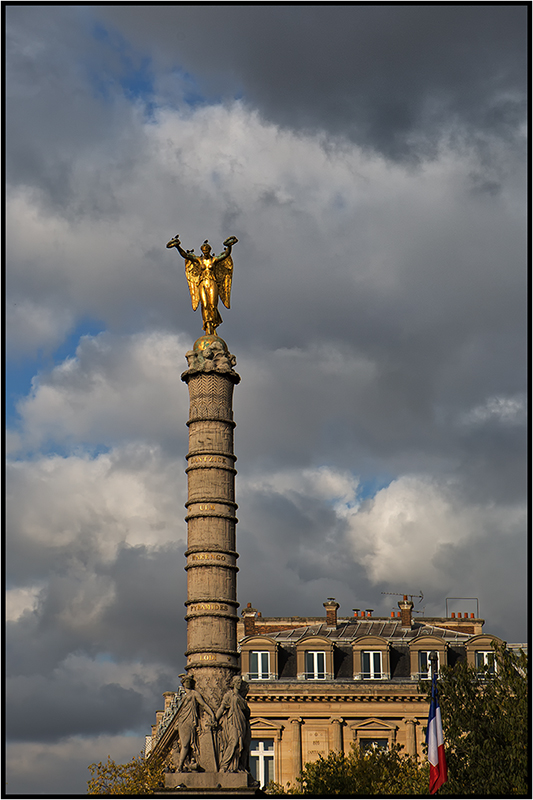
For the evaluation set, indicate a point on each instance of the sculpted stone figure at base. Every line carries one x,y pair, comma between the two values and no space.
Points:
235,735
189,703
209,277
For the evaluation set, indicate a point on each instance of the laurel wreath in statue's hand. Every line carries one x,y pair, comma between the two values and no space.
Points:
230,241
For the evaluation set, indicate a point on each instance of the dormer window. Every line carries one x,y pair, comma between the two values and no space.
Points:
484,661
259,658
371,659
480,653
371,668
259,665
314,659
424,664
315,665
421,649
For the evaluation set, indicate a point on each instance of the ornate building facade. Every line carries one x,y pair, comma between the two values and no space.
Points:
317,684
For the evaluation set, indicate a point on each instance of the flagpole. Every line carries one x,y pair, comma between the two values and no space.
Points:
435,741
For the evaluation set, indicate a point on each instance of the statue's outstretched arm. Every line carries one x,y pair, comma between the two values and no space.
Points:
228,245
187,254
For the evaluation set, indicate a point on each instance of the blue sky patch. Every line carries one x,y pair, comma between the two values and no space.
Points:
20,372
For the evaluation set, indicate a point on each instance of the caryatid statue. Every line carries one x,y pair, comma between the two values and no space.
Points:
209,277
190,703
234,714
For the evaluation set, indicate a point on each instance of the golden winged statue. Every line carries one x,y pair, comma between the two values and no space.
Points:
209,277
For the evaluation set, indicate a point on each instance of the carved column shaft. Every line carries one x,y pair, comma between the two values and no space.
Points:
212,655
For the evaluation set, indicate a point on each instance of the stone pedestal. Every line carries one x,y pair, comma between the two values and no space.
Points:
209,780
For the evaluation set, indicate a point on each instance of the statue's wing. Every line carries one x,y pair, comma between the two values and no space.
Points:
193,274
224,274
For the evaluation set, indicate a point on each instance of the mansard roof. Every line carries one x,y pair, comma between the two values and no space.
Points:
349,631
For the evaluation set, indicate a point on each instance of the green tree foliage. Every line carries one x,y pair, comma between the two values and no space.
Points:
138,777
361,772
485,722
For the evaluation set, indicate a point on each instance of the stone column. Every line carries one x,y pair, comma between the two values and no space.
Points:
336,739
297,745
212,656
410,736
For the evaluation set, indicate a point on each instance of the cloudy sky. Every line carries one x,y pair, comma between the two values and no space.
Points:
371,162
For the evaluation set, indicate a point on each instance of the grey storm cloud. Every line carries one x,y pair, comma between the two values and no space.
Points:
57,707
389,77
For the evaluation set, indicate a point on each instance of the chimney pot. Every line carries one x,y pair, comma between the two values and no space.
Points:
392,613
249,615
331,607
459,615
406,607
472,615
355,612
453,614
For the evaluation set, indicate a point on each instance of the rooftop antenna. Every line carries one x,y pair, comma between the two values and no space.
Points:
401,594
464,598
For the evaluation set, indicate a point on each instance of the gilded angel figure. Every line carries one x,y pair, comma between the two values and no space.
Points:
209,277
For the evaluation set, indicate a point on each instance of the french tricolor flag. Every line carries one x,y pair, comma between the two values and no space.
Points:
435,742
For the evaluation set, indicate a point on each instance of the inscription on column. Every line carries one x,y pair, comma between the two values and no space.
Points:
207,607
208,557
227,462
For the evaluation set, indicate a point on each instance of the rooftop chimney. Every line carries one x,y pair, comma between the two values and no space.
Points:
249,615
406,607
331,612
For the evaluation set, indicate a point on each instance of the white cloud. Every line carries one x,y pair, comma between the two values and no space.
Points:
336,487
31,327
408,530
129,496
314,221
21,599
506,410
115,388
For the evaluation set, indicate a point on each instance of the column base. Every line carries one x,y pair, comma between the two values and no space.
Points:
209,783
